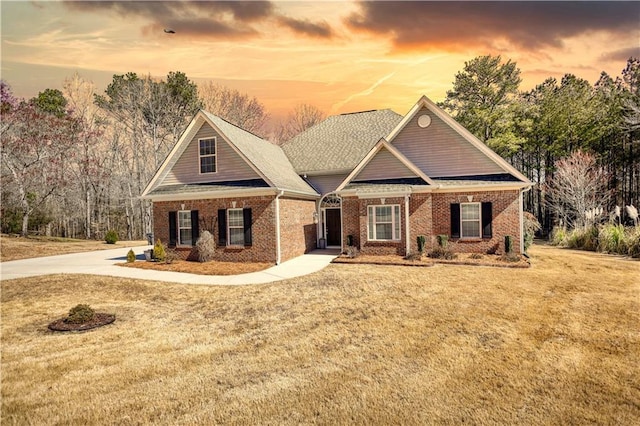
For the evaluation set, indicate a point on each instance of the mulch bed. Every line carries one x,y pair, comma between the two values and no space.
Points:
99,319
463,259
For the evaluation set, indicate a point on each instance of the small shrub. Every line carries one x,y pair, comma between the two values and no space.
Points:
475,256
206,246
443,241
583,238
111,237
421,242
612,239
159,252
414,256
531,226
170,256
633,243
442,253
559,236
80,314
352,252
510,257
131,256
508,244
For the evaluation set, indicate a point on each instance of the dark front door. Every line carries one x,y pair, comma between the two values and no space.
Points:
332,217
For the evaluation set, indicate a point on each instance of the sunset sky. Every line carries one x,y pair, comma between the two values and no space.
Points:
340,56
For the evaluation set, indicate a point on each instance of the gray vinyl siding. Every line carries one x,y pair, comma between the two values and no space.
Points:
326,183
384,165
230,166
439,151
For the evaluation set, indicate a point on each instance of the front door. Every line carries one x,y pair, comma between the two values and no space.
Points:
333,227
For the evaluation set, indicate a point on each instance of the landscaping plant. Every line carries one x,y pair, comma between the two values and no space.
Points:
111,237
159,253
131,256
206,246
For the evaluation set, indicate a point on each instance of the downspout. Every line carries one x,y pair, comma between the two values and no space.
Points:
521,211
278,248
406,226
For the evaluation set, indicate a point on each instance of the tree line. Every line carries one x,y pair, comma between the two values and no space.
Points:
538,130
74,161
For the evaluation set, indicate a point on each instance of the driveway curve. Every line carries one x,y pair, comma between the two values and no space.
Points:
103,262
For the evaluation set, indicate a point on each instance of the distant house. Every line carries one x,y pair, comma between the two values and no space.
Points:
373,179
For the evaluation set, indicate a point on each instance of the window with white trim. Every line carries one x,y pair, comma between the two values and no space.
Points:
184,228
470,224
207,155
384,223
235,226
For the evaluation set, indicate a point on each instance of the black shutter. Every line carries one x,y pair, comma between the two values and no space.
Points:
173,218
246,219
222,227
195,227
486,220
455,220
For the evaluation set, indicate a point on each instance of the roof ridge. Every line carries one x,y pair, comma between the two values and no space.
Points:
236,126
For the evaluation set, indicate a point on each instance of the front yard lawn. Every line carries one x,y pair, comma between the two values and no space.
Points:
557,343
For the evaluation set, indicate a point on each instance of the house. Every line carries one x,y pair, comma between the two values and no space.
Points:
374,179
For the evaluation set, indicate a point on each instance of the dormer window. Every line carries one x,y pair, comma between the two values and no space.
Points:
207,154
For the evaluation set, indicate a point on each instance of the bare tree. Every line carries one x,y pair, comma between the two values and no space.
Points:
235,107
578,191
300,119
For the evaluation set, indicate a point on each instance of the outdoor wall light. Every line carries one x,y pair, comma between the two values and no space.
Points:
315,217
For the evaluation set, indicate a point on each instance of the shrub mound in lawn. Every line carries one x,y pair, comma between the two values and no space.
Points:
82,317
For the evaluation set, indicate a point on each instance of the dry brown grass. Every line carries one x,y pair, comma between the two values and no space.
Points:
15,248
204,268
558,343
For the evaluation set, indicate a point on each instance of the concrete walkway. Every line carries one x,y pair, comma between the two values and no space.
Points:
102,262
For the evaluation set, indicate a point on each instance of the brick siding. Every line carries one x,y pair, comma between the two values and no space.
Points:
430,215
298,232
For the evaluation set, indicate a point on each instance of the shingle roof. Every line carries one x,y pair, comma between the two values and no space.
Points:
209,187
339,142
268,158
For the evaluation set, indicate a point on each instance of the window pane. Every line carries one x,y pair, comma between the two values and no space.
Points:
236,218
470,211
207,164
383,214
236,236
471,229
184,219
383,231
207,147
185,237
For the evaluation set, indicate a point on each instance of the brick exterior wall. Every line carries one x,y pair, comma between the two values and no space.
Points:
506,220
297,230
298,233
430,215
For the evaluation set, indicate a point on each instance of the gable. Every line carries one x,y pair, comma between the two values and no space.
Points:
384,165
440,151
230,165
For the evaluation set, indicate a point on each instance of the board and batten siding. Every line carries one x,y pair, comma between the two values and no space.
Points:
230,166
384,165
439,151
325,184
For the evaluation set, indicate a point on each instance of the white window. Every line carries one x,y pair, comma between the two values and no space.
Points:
384,222
184,228
235,226
207,155
470,226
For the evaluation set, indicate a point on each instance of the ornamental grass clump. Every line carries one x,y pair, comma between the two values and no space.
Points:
613,239
633,243
206,246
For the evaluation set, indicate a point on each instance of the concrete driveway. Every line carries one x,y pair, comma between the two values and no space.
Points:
102,262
